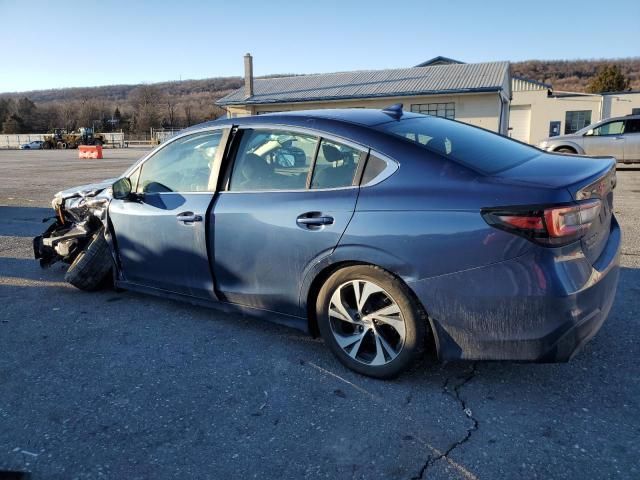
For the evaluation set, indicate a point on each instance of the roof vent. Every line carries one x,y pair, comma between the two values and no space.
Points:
394,111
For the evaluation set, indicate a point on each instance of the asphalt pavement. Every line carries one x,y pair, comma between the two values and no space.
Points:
123,385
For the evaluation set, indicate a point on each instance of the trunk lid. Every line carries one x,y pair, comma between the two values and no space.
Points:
585,178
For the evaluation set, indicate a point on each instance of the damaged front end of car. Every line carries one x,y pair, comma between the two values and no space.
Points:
79,213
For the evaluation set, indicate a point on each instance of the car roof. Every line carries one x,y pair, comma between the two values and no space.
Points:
622,117
361,116
367,117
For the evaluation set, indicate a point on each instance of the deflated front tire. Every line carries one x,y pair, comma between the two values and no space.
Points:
92,266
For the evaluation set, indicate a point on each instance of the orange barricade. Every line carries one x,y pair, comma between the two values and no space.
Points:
90,151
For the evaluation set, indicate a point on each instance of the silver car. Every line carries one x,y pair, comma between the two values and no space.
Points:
617,137
35,145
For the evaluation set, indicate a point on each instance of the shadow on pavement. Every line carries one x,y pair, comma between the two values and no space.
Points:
23,221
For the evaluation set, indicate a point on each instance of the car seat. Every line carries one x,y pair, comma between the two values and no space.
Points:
335,175
255,173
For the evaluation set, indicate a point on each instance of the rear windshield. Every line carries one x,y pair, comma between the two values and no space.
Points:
474,147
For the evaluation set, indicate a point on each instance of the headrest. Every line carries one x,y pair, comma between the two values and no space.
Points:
331,153
254,166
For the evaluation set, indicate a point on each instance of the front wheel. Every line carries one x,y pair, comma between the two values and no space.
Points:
370,321
92,266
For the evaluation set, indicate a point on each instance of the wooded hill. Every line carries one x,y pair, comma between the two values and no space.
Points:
177,104
574,75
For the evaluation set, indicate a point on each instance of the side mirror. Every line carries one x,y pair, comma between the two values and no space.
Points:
121,189
589,132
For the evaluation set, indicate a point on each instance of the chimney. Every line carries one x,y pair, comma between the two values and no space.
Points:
248,76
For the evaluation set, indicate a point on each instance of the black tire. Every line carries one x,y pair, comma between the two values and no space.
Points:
415,320
566,150
92,266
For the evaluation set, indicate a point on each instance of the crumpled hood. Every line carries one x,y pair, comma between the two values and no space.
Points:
85,200
88,190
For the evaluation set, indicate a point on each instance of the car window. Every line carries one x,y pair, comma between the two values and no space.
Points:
184,165
335,165
474,147
272,160
375,166
632,126
611,128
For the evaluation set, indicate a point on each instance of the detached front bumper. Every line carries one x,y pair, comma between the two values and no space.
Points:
59,242
542,306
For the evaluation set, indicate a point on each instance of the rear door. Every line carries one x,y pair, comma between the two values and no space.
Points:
632,140
288,199
161,237
607,139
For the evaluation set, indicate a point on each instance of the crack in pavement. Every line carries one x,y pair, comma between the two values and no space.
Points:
432,459
460,468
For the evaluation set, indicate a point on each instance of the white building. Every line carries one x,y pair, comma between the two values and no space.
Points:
537,111
481,94
475,93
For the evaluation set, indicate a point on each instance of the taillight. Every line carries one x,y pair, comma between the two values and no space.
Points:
555,225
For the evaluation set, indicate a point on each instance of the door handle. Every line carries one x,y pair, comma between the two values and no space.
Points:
188,217
306,220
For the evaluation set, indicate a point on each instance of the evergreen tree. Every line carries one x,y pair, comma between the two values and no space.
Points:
13,124
609,79
26,110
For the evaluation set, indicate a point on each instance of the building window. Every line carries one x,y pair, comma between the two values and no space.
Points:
446,110
635,111
576,120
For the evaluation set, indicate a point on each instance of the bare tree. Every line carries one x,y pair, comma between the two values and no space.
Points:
188,115
89,112
172,110
68,115
145,101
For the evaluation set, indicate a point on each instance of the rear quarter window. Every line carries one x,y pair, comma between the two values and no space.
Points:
474,147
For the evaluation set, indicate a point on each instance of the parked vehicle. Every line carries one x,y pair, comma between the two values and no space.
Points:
618,137
385,232
35,145
60,138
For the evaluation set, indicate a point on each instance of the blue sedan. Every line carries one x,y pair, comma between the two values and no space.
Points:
387,233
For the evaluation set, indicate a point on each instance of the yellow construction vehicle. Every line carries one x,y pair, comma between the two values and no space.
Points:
83,136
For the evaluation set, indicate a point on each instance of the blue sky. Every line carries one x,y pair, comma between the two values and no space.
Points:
65,44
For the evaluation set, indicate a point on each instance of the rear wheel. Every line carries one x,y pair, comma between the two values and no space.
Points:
91,268
370,321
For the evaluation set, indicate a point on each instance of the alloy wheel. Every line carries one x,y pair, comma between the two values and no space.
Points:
366,322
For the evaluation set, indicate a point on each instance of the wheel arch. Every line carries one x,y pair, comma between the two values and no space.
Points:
323,275
569,146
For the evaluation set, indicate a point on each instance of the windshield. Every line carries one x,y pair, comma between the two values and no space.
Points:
474,147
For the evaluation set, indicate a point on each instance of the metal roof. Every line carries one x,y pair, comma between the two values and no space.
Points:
456,78
439,60
521,84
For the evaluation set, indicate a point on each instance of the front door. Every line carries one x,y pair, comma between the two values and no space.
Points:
607,139
289,199
161,233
